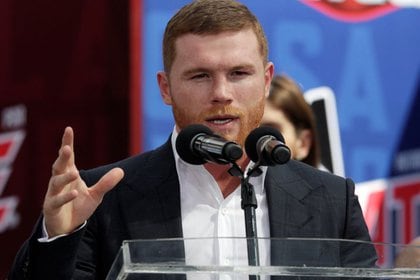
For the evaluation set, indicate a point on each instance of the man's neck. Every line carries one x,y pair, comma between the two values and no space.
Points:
227,183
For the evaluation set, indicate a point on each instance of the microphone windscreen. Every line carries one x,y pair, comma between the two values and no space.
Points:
255,135
184,143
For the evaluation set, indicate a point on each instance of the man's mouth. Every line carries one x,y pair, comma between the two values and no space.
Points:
221,120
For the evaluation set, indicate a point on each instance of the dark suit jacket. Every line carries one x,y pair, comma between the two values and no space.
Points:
302,202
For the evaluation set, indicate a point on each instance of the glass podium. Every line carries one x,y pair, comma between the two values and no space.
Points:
289,258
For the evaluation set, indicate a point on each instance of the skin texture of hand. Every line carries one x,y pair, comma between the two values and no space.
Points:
69,202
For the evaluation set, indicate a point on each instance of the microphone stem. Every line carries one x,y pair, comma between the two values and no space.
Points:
249,204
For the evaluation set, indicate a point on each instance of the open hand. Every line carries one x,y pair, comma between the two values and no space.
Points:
68,201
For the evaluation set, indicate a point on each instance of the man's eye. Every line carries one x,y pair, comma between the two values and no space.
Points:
199,76
239,73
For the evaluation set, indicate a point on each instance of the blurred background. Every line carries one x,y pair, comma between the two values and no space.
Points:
92,65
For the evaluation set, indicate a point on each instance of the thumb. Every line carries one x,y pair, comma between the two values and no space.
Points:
106,183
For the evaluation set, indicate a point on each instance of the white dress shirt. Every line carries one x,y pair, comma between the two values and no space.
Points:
206,213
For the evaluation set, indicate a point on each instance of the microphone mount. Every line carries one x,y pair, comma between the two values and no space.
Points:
249,204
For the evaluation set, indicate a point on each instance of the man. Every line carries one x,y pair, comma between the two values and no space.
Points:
216,73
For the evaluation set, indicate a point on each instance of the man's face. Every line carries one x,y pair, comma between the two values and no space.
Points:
219,81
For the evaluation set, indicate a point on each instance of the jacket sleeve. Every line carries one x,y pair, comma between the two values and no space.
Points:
49,260
360,252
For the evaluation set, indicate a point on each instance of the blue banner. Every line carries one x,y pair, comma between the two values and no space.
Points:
368,54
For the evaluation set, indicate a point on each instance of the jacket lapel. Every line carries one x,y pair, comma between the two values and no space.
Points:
152,197
152,208
291,214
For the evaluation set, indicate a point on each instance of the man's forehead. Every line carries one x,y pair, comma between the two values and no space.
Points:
229,40
226,33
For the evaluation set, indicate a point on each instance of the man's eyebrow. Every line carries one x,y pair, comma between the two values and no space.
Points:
243,67
194,71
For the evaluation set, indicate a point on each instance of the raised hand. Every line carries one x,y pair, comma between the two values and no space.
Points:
68,201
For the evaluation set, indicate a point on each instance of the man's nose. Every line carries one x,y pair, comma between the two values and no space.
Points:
222,91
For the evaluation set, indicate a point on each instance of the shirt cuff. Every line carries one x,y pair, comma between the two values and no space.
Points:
45,238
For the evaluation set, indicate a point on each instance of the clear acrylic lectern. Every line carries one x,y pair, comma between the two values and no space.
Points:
290,258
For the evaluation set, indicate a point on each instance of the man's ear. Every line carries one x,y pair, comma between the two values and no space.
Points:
269,72
303,145
163,82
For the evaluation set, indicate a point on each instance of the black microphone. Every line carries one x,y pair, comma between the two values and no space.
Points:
197,144
265,145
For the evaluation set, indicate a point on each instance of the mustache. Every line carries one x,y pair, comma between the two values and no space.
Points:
221,110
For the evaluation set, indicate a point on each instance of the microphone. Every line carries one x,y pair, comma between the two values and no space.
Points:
197,144
265,145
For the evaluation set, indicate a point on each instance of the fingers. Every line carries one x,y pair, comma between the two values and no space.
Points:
65,157
106,183
57,201
57,195
58,182
62,162
68,137
68,140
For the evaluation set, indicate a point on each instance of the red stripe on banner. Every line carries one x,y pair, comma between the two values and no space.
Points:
405,194
350,11
4,148
2,214
136,129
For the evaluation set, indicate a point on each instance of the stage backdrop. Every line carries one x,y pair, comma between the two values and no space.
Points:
366,52
61,63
